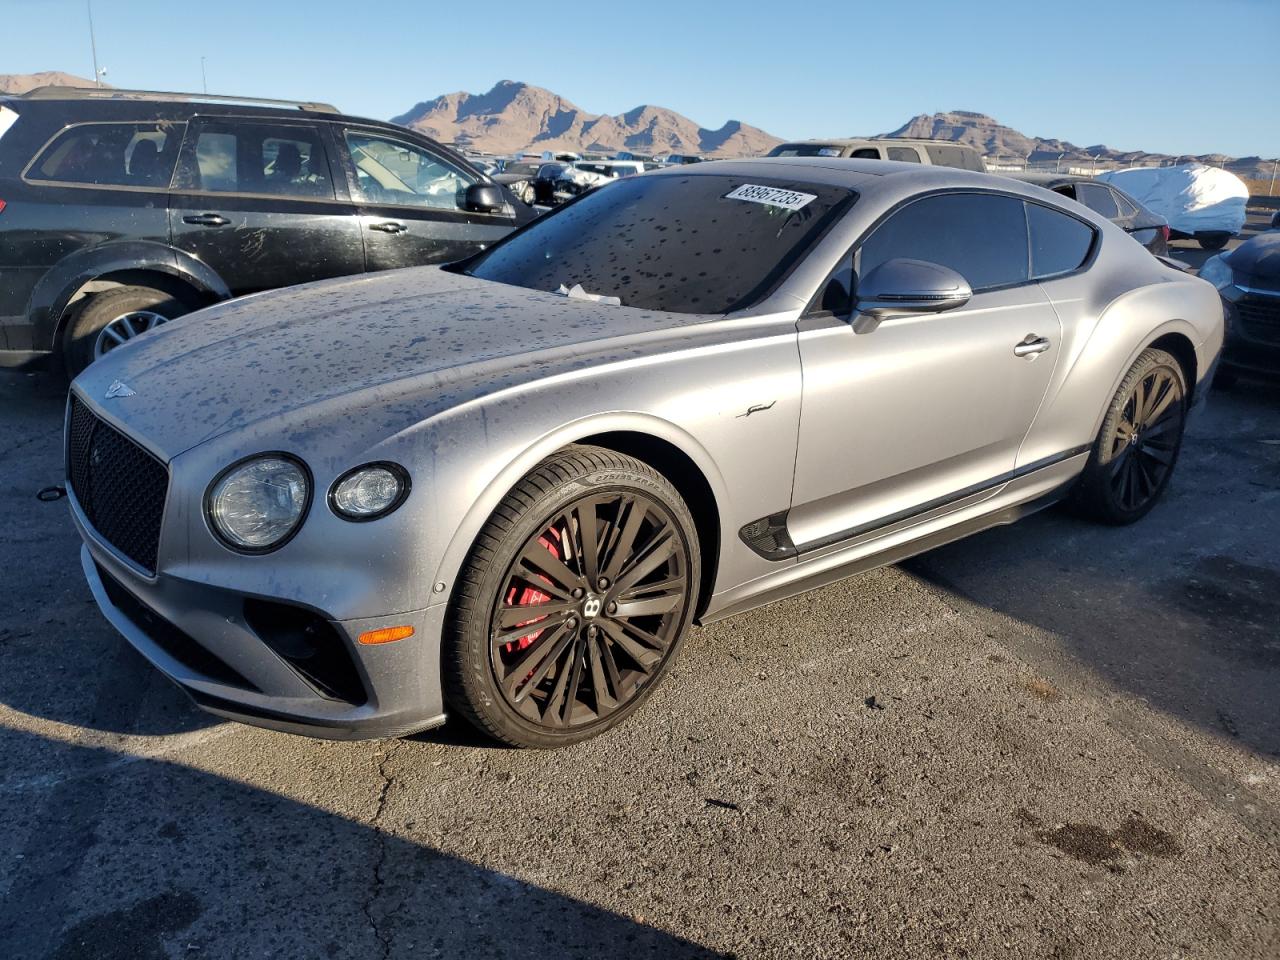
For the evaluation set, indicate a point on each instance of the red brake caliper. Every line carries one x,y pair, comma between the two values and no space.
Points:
530,595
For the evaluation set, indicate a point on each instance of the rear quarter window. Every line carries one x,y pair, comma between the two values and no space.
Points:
140,155
1059,243
8,117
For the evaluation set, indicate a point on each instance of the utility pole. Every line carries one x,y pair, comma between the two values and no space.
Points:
93,46
204,80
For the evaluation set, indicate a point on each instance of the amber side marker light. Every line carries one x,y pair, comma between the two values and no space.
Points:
386,635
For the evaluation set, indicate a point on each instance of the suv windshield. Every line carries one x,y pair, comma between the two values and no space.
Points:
683,244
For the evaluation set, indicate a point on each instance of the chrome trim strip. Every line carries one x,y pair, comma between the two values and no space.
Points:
910,512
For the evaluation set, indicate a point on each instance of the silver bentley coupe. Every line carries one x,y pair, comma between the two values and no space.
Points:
506,488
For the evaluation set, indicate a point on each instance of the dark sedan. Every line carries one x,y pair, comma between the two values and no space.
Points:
1248,278
1148,228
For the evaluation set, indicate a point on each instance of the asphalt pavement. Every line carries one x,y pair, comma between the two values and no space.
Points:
1050,740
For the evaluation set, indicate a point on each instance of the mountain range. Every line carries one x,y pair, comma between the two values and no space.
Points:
22,82
995,140
515,116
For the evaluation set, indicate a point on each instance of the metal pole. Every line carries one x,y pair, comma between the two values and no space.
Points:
93,45
203,79
1271,189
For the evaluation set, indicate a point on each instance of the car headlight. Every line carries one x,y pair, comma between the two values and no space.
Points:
259,503
1218,272
369,492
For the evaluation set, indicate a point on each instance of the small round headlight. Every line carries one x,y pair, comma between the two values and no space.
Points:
369,492
258,504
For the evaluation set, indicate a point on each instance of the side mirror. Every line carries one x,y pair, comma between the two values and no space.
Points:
902,287
484,198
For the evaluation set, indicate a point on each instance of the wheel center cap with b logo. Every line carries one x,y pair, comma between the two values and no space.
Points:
591,606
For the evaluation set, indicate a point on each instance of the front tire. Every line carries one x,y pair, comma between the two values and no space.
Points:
1213,241
1137,448
104,321
573,602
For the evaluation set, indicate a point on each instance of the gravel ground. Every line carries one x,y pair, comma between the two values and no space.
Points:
1050,740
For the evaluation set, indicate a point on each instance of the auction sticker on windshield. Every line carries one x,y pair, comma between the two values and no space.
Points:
770,196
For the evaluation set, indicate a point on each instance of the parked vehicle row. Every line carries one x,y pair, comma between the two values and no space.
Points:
120,210
1148,228
552,183
505,488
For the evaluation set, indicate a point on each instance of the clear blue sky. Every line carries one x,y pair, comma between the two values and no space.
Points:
1175,76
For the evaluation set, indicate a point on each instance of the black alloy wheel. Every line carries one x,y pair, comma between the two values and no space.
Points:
1138,445
1145,440
588,598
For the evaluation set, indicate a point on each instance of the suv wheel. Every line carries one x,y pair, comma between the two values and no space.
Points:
104,321
574,601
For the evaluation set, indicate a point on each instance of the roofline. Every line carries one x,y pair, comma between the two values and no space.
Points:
113,93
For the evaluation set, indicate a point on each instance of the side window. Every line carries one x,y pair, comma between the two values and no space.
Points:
866,153
1098,199
983,237
1059,243
111,154
255,158
905,154
944,155
392,171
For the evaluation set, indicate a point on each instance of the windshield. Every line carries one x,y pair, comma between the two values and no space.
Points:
522,169
682,244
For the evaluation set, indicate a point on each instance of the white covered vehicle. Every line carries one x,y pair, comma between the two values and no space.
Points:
1200,202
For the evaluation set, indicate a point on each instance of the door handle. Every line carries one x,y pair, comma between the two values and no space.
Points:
206,220
388,226
1031,345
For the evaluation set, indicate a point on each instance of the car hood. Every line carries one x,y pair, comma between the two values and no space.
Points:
1258,257
409,343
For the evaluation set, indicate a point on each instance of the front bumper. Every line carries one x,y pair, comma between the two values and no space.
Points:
1253,330
232,672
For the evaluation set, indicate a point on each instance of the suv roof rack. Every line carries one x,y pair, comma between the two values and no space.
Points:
113,93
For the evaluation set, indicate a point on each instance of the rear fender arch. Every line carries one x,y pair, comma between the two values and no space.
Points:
1170,328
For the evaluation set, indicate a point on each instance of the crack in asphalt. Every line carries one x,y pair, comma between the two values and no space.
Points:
383,939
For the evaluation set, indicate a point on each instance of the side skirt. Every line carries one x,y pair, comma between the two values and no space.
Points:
828,567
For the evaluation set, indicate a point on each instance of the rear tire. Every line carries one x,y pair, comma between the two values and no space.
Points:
92,316
1137,448
1213,241
618,604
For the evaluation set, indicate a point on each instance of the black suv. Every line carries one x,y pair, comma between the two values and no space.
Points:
120,210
